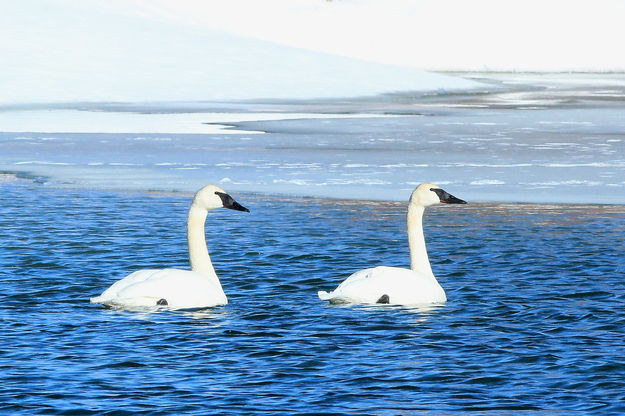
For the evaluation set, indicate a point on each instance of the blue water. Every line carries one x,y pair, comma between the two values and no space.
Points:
534,323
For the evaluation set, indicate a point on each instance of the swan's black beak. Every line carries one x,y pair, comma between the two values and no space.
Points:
230,203
446,197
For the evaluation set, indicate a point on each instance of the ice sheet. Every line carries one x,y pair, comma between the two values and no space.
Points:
75,121
551,155
538,141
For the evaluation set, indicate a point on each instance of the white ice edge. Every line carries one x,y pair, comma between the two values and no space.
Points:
77,121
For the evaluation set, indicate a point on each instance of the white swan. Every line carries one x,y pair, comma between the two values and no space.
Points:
178,289
395,285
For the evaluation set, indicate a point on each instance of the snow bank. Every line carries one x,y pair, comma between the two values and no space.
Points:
64,51
476,35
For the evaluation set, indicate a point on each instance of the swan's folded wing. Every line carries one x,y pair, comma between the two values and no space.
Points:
119,286
355,289
366,279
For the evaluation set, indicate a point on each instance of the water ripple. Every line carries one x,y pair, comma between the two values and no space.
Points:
533,324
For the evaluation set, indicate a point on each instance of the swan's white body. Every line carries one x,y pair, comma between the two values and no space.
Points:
174,288
182,289
402,286
394,285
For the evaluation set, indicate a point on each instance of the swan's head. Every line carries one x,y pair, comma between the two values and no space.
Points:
428,194
213,197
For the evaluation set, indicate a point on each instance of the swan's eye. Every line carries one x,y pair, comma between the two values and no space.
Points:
225,198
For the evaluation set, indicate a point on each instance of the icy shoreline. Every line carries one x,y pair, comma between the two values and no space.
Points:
562,143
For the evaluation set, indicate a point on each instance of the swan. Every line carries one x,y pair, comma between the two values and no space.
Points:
175,288
394,285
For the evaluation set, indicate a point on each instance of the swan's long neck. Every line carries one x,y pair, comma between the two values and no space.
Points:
198,252
419,261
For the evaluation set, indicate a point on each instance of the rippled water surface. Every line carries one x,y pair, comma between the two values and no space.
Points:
534,323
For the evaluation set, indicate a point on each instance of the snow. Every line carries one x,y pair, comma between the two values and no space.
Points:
512,35
68,51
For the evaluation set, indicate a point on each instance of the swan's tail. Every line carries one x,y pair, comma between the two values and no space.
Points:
323,295
332,297
96,299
